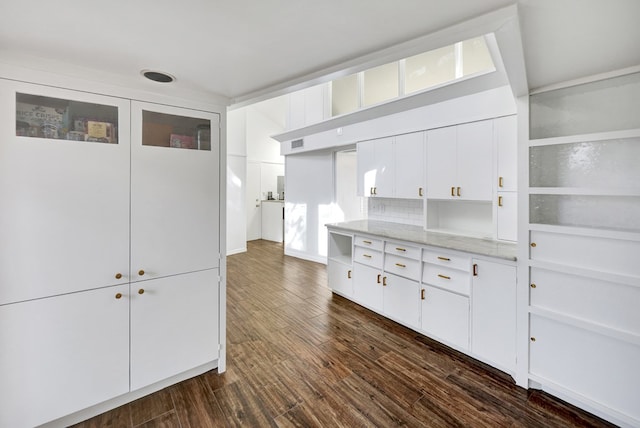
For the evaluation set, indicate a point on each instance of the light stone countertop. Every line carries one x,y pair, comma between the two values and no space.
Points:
416,234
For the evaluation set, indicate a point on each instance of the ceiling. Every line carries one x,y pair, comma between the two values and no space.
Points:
237,48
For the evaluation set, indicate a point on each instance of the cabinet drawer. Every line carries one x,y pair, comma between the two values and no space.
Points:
449,279
368,257
608,255
366,242
402,250
608,303
442,258
402,266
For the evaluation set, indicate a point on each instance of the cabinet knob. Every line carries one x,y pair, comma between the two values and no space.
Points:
533,285
118,275
118,295
141,272
533,339
533,244
141,291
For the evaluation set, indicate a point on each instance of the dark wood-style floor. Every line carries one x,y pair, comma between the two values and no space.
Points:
299,356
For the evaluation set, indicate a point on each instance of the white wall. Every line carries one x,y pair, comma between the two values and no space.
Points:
236,182
309,183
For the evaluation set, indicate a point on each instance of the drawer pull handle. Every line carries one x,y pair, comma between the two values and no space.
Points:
349,274
366,242
500,182
400,249
458,191
499,201
475,269
375,190
422,294
379,275
420,191
366,255
384,281
453,190
446,259
443,276
401,265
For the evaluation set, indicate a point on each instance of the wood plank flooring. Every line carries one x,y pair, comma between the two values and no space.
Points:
298,356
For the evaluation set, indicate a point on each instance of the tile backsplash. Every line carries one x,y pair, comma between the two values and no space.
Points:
405,211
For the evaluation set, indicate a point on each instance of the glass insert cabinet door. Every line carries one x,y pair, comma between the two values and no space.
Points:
64,181
175,176
175,131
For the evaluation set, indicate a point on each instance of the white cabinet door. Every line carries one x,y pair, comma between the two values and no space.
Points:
367,168
273,221
367,286
506,131
401,300
409,166
62,354
385,167
295,118
475,161
507,216
441,162
340,278
445,316
174,194
595,366
174,325
493,314
64,221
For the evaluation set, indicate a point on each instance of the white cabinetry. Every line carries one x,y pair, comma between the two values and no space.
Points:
367,272
62,354
507,154
376,168
493,313
445,301
109,272
340,263
459,162
583,244
392,167
273,220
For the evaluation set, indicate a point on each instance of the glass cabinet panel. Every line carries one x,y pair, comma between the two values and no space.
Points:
430,69
46,117
344,95
596,164
180,132
380,84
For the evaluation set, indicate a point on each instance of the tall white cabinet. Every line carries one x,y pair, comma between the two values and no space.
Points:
110,265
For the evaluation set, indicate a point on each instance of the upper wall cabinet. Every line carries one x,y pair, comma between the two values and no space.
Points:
64,181
307,107
460,162
392,167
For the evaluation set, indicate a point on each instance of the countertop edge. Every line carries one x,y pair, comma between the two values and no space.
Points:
417,235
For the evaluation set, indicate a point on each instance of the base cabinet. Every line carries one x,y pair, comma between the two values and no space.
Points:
445,316
174,325
340,278
401,300
63,354
493,309
367,286
601,368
